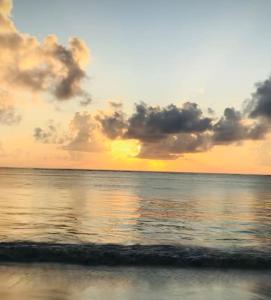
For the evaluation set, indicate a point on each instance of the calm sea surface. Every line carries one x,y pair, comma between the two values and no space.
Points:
69,206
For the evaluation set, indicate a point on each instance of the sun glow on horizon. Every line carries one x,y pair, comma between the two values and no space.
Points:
125,148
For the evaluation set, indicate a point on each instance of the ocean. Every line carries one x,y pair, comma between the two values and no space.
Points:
191,230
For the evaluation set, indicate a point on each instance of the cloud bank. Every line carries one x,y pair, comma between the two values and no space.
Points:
169,132
166,133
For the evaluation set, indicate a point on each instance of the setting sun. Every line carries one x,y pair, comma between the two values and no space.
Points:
122,149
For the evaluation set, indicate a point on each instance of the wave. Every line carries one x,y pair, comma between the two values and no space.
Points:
134,255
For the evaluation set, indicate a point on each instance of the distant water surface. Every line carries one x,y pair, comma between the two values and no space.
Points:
72,206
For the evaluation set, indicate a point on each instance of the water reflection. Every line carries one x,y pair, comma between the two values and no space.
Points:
214,210
119,207
56,282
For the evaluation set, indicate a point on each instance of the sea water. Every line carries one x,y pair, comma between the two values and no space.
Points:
153,227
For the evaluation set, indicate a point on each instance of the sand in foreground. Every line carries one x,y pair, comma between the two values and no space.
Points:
58,282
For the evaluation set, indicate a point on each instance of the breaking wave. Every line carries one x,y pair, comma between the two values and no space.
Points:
134,255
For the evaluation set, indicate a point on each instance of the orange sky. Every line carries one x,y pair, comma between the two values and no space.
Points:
246,158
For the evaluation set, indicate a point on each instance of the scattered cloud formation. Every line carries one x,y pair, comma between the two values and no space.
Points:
164,133
41,67
81,136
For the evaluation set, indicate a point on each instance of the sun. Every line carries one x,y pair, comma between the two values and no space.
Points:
125,149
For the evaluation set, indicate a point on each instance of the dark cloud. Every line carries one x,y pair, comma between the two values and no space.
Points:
260,105
114,125
164,133
155,123
69,85
258,130
232,128
58,72
173,146
167,133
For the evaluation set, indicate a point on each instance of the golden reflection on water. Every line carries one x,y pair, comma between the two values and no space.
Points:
117,207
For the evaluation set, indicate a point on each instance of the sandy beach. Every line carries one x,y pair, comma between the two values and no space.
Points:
66,282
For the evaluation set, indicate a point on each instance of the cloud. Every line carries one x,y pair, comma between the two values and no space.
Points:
174,146
169,132
42,67
155,123
115,105
232,128
81,136
5,8
260,104
84,138
8,113
164,133
9,116
210,111
113,125
51,134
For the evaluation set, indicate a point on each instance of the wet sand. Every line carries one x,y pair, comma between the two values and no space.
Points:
69,282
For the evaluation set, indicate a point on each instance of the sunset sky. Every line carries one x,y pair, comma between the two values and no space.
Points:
136,85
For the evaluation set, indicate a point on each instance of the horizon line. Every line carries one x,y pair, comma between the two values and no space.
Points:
134,171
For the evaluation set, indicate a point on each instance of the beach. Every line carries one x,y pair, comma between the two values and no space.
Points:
66,282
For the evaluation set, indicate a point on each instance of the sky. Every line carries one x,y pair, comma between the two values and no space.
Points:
136,85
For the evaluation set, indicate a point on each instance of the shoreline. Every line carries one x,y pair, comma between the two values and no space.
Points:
69,282
178,256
